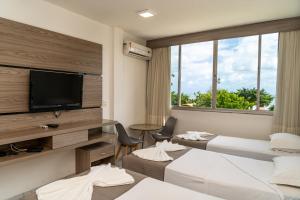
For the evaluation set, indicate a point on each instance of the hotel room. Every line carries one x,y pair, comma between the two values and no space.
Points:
149,99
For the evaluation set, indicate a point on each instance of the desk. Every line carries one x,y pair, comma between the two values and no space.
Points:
145,128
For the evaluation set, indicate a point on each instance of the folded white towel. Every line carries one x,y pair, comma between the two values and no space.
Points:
169,146
106,176
81,188
77,188
153,153
194,135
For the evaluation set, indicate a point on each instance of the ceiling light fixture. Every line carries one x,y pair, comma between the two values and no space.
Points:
146,13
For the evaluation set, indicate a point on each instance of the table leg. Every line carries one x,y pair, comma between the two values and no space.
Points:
143,138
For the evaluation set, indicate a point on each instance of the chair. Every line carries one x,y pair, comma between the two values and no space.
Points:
125,140
166,133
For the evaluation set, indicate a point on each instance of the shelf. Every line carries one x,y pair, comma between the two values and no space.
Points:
95,138
97,153
37,132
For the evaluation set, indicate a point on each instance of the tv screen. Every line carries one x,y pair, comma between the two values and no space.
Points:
52,91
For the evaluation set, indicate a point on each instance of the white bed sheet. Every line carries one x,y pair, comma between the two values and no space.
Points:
257,149
152,189
227,176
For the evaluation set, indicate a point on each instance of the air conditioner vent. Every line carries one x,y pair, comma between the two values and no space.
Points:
137,51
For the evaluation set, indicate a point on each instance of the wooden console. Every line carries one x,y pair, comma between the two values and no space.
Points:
24,47
43,136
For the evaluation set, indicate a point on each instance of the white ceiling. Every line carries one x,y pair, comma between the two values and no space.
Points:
180,16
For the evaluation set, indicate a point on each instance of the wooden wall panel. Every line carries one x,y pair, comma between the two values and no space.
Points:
28,46
31,120
92,90
14,90
24,47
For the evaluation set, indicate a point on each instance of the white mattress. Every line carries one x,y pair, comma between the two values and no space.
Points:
227,176
152,189
257,149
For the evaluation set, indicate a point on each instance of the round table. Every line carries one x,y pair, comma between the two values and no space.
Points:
145,128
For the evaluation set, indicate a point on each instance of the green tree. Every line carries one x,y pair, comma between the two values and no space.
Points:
243,99
185,99
272,107
265,98
174,98
225,99
202,99
231,100
250,95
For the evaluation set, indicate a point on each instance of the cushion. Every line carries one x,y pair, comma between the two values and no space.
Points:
286,170
285,142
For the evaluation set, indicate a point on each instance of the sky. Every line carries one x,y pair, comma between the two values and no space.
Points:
237,64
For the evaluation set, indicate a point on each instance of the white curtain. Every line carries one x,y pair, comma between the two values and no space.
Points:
287,108
158,86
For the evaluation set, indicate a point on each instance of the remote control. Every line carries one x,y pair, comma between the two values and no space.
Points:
53,125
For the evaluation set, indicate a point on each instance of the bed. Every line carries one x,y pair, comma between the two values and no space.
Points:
257,149
222,175
144,188
150,168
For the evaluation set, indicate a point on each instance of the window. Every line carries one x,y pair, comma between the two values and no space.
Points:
196,73
235,73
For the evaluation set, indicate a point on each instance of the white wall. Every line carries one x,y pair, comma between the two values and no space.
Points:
230,124
129,82
26,175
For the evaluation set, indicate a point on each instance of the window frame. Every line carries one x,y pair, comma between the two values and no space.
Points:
213,107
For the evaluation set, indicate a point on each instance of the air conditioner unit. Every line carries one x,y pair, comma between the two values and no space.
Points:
136,50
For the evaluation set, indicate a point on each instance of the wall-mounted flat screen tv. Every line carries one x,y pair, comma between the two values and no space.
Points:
53,91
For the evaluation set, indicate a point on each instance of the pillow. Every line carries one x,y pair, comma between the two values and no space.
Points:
286,170
285,142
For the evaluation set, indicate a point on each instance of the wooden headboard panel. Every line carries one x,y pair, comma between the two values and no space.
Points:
24,47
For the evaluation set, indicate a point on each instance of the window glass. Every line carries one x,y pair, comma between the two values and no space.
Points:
237,73
196,74
268,74
174,75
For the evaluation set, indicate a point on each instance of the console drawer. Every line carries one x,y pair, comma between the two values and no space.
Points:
59,141
102,152
85,156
